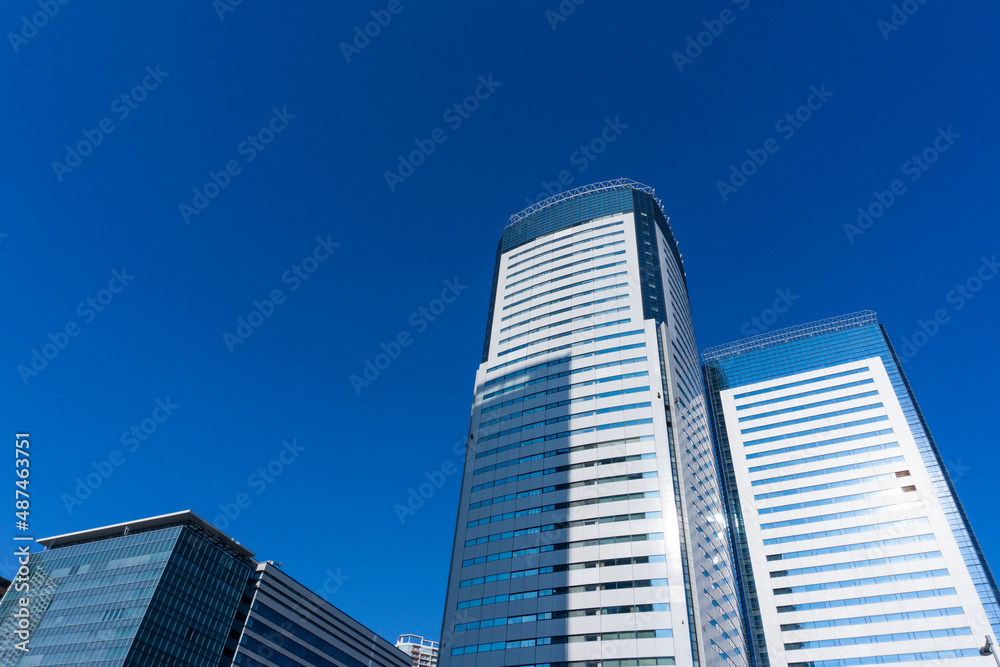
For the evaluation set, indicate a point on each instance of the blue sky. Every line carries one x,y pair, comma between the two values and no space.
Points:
299,141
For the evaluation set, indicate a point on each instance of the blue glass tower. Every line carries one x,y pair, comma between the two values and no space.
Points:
846,527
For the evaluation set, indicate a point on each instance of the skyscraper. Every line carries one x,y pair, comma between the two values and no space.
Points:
852,546
171,591
590,528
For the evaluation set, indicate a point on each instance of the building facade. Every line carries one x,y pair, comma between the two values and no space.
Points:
424,652
175,591
852,546
590,528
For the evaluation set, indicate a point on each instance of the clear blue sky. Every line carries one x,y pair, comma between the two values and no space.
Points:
323,176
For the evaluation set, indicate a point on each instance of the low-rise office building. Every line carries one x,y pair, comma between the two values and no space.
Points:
173,590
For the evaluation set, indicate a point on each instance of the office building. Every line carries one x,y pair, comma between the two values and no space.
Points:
424,652
590,528
852,546
172,591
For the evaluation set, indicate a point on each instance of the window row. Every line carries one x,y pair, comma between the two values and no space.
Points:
562,299
890,659
571,244
588,230
582,272
563,403
508,285
807,406
879,639
833,501
802,420
562,567
841,515
561,311
619,539
869,599
575,343
561,525
554,290
553,260
866,581
562,374
586,502
832,485
879,618
813,431
858,546
852,530
563,590
561,639
791,397
833,455
562,614
855,564
553,325
789,385
824,471
563,487
829,441
583,465
566,418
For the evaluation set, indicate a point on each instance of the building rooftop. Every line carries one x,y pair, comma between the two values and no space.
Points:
849,321
416,639
185,518
576,193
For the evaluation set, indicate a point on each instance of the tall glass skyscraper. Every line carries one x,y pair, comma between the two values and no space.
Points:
591,531
852,546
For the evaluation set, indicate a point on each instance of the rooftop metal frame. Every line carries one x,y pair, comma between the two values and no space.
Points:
576,193
185,518
848,321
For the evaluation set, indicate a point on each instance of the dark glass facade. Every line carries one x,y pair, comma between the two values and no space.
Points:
173,591
159,598
288,625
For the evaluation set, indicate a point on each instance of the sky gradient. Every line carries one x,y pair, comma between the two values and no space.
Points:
340,187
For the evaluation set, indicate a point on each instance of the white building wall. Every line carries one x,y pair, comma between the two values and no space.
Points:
615,459
849,530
